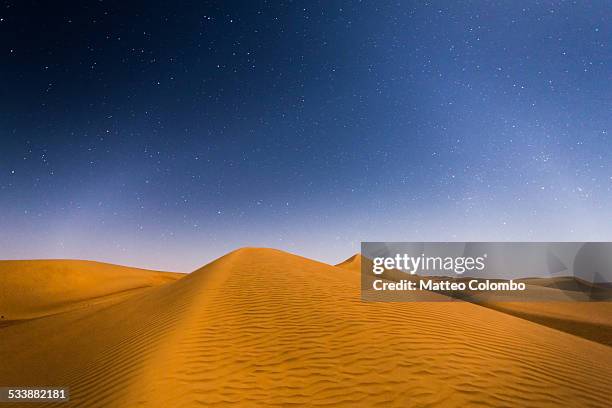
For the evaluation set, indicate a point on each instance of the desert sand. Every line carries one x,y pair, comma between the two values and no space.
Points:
261,327
37,288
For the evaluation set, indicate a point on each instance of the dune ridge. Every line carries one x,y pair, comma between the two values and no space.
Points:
260,327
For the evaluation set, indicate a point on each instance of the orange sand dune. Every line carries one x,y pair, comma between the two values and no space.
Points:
37,288
260,327
353,263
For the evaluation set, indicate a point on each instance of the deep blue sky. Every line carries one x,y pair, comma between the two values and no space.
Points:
164,135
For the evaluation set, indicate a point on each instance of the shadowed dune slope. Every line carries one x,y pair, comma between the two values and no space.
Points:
37,288
591,320
260,327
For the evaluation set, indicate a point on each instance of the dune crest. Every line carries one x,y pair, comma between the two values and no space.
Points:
260,327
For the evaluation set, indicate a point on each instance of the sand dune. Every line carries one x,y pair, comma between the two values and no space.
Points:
37,288
353,263
261,327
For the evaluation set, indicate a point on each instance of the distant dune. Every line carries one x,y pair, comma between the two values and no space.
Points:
260,327
352,263
37,288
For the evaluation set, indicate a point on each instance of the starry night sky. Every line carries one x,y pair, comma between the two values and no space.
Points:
164,134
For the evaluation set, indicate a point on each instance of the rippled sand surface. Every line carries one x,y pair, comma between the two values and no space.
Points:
261,327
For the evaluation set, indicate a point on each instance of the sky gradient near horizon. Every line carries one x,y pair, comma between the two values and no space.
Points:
165,134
